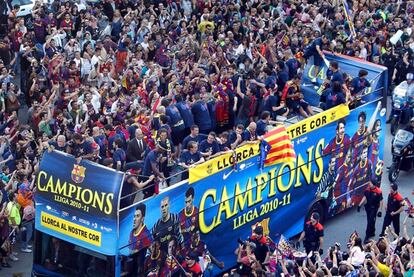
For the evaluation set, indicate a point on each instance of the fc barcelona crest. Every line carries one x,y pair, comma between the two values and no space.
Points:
78,173
333,116
265,225
209,169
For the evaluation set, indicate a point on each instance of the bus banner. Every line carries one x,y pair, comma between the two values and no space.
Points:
240,154
209,215
77,202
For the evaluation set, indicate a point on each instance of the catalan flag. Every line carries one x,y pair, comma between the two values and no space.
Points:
285,40
281,149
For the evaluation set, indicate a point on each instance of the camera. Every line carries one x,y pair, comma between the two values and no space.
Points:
337,246
345,256
368,256
242,242
246,75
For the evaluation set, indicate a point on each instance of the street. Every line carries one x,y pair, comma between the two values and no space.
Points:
337,229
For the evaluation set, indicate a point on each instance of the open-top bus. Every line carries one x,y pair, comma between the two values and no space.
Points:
78,205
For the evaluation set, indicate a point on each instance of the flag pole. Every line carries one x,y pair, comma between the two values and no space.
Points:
348,18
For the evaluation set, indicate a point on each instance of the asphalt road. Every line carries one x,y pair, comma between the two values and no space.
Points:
337,229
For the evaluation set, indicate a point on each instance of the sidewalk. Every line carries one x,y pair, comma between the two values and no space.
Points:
21,268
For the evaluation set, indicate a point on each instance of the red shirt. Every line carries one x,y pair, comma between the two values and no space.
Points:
66,24
195,269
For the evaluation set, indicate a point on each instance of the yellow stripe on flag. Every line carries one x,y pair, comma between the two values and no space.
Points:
281,149
280,143
274,136
280,153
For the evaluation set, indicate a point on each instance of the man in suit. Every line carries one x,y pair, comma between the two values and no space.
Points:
136,151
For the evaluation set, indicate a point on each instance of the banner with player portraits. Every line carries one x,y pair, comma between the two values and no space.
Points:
333,164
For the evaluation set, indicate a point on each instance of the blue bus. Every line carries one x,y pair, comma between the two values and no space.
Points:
79,207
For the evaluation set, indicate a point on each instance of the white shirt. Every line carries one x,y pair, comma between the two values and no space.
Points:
96,103
144,45
86,67
95,59
58,38
77,61
356,256
187,7
114,107
363,54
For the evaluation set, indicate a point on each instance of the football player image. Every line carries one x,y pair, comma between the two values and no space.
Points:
188,217
140,239
362,136
173,260
154,261
326,185
360,177
199,247
373,152
167,226
342,180
339,145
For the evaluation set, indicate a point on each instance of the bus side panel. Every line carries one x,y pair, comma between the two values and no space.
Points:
226,205
377,76
78,202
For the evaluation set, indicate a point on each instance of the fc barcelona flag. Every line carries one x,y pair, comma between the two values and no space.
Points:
281,149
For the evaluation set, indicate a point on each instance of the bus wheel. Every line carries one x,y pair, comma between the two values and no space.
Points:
319,208
393,172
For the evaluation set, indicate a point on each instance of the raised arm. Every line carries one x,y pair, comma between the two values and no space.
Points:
238,89
373,117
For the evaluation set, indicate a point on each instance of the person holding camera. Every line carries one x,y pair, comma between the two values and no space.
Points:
312,234
246,259
373,202
356,253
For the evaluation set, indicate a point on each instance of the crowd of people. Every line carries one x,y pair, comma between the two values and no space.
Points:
151,86
390,255
364,255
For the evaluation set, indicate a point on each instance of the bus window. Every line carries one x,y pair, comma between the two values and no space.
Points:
55,257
